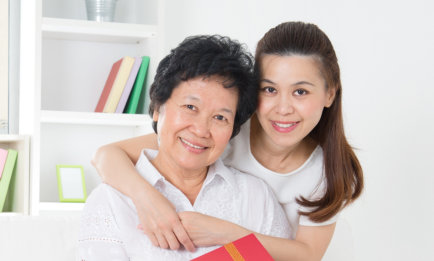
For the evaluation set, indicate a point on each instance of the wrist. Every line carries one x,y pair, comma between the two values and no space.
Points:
139,190
233,233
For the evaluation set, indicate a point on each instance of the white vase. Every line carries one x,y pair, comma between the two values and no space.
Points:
101,10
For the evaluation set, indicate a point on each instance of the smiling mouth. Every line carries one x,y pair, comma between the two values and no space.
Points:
286,125
192,145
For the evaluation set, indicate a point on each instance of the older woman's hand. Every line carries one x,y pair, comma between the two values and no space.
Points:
160,222
206,230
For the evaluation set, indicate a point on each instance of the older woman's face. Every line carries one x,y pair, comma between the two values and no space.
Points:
196,122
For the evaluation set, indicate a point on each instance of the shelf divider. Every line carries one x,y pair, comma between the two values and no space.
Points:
95,118
70,29
60,206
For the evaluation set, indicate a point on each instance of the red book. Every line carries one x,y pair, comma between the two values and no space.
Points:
108,86
247,248
3,157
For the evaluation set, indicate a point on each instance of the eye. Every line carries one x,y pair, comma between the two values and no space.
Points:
269,89
220,118
191,107
300,92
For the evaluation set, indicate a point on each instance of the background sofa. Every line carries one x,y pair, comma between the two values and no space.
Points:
54,238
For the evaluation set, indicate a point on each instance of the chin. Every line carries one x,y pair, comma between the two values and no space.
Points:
188,164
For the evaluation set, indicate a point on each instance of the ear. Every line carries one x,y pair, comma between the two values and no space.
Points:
330,96
155,115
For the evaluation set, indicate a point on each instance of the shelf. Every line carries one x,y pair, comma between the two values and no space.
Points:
11,214
95,118
19,190
83,30
10,138
60,207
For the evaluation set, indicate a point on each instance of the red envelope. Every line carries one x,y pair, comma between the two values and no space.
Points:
247,248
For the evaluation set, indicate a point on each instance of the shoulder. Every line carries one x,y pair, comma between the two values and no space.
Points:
98,195
311,174
104,197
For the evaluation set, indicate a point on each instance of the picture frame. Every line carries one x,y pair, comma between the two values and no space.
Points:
71,183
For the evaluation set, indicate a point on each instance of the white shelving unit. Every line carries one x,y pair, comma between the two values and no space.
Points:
65,61
19,189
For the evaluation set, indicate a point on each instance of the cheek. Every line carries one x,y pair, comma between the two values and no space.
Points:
170,123
264,106
312,111
222,136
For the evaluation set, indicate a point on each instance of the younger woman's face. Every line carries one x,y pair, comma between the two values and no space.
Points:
292,97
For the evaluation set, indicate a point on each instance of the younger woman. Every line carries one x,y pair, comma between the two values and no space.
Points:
295,142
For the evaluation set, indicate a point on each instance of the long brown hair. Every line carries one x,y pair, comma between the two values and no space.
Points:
342,169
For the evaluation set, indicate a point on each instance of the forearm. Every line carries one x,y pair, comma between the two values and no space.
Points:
279,248
115,164
310,243
287,249
116,169
159,220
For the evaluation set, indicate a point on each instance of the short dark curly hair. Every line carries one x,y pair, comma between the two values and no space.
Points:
206,56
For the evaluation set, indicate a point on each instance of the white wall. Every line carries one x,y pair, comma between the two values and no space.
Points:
386,54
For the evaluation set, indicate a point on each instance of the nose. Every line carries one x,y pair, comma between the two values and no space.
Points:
285,105
201,127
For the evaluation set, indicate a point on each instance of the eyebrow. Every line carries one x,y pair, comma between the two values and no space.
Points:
304,82
191,97
295,84
267,81
194,98
227,110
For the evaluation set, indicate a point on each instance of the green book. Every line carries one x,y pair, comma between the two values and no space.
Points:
133,101
7,175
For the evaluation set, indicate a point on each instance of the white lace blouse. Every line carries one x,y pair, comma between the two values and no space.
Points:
109,231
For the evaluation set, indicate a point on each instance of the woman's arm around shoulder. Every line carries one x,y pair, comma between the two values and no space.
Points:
115,163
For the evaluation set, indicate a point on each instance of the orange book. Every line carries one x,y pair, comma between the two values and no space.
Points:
108,86
247,248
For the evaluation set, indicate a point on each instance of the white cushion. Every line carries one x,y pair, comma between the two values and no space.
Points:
48,238
54,238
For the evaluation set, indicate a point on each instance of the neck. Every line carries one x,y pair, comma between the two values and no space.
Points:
189,181
278,158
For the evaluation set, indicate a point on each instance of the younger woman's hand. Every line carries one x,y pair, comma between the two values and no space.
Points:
160,222
206,230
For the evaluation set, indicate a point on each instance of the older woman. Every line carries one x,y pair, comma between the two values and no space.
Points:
201,95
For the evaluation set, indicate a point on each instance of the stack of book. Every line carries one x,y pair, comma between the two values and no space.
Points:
124,86
8,159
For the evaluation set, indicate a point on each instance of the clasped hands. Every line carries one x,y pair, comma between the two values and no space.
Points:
190,229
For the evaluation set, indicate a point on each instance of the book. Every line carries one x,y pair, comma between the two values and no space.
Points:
119,84
3,156
7,175
129,85
137,90
108,86
247,248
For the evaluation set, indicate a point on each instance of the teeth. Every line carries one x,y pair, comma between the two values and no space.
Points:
284,125
191,145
